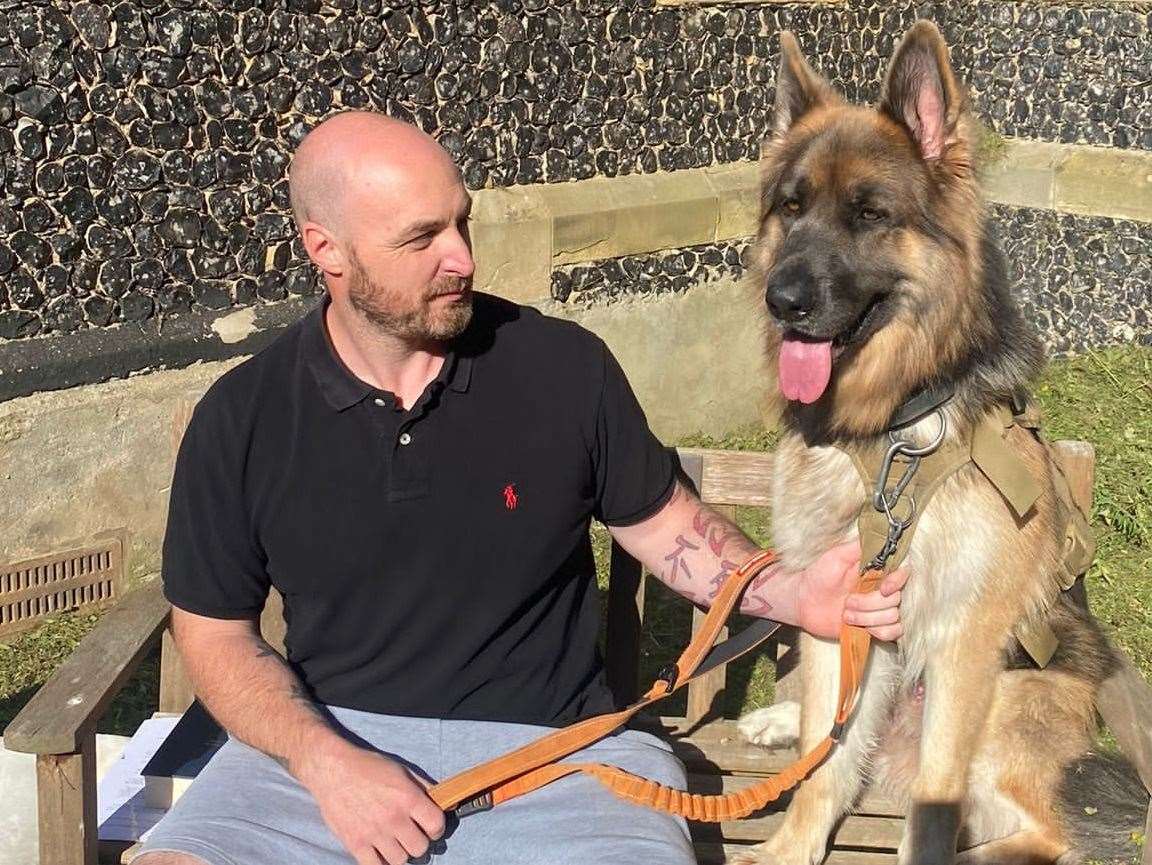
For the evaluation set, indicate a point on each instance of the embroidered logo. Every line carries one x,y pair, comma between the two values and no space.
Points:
510,498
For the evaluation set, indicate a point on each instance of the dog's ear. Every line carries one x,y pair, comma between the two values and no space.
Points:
798,88
921,91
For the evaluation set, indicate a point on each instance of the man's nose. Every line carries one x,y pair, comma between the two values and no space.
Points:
458,259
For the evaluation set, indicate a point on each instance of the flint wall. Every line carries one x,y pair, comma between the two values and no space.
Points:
145,238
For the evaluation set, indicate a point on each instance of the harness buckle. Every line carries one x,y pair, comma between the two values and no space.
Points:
483,802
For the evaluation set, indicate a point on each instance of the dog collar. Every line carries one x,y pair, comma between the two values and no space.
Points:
921,405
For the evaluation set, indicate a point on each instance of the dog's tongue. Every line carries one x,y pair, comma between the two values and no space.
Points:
805,368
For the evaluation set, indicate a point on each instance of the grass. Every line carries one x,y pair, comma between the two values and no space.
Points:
1103,396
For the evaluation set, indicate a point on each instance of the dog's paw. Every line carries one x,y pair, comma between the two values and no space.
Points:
776,726
771,853
751,856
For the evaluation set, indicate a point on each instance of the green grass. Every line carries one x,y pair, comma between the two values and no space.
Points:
1104,397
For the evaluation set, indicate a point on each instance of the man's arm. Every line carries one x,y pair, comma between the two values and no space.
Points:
693,549
376,809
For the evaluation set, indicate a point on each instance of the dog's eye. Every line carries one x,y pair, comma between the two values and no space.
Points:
790,206
871,214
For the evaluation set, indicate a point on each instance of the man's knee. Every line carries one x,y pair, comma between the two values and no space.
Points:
167,857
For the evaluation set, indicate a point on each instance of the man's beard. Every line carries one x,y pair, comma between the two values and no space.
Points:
397,316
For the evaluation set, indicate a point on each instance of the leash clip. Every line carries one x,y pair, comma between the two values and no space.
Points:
483,802
669,673
885,500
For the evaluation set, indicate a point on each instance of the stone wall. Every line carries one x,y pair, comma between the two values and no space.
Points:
144,146
145,233
1082,281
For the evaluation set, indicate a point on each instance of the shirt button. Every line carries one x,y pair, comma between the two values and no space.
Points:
405,438
380,401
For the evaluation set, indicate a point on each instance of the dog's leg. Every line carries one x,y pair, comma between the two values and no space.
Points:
1023,848
960,684
824,798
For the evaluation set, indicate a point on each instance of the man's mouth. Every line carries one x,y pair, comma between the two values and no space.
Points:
455,292
805,363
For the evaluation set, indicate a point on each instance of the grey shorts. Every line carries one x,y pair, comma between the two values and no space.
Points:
244,809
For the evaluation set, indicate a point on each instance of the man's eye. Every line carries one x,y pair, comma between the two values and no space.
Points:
872,214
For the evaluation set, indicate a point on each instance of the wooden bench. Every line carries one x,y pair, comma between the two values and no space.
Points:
59,723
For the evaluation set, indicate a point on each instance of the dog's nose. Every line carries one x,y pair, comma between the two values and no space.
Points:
790,301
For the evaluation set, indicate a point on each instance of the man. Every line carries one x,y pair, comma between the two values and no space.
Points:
414,468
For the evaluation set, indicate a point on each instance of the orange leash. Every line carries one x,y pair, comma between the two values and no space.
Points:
532,766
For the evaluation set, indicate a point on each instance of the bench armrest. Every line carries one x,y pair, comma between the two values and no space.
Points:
65,710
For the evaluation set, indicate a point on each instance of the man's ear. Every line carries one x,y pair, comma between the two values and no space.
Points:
921,91
798,88
323,249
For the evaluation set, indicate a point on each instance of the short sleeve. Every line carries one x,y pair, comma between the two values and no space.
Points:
635,474
212,563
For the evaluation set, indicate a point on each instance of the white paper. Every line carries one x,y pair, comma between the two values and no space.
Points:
120,809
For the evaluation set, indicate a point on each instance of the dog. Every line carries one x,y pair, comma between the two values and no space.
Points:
884,285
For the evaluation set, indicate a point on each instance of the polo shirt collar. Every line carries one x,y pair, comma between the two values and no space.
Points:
343,389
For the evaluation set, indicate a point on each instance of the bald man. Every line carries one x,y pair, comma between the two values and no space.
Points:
414,466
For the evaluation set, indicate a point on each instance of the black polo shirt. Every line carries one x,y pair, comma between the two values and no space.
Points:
434,562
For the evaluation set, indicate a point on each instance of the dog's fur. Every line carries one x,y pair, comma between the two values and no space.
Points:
874,216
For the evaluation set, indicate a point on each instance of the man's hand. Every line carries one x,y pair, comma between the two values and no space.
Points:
825,596
373,805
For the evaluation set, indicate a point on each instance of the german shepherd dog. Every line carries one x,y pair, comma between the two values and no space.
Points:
883,281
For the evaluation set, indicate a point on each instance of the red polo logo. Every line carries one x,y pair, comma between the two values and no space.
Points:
510,499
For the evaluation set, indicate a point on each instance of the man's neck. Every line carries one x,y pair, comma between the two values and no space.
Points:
399,366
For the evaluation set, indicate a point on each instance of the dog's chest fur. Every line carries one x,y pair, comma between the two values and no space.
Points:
817,497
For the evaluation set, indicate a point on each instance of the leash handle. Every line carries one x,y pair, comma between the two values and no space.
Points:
487,779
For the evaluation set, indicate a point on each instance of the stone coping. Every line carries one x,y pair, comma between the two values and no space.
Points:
521,232
756,2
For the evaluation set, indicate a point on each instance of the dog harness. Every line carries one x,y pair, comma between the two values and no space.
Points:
886,525
889,520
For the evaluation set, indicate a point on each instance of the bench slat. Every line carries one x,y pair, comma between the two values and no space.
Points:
734,477
711,853
870,833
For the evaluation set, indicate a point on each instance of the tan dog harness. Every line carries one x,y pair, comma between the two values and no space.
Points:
990,451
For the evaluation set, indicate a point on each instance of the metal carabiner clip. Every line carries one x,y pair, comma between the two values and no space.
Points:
909,450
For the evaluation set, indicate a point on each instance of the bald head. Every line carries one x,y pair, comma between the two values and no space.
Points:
357,154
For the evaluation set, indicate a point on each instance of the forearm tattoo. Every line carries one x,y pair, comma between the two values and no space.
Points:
676,557
754,603
717,582
713,543
296,691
